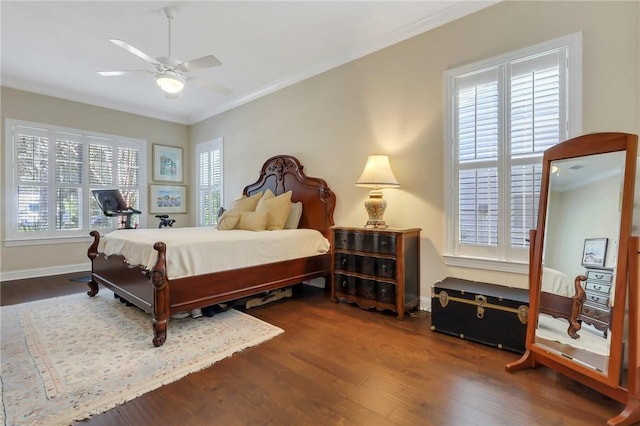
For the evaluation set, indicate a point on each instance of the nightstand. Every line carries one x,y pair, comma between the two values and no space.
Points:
596,309
376,268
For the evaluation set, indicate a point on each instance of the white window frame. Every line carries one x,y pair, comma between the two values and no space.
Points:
502,258
208,147
52,236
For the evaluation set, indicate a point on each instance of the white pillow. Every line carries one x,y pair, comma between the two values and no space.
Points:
294,216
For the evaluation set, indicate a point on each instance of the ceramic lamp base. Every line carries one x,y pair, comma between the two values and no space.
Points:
375,206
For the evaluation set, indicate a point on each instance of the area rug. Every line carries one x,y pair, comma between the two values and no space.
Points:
555,329
67,358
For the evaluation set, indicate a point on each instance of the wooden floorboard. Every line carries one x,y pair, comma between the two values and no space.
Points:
339,365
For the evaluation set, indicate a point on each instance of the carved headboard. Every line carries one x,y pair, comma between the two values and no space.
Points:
284,173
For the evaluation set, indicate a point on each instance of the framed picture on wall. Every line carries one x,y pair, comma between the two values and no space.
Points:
164,199
167,163
595,252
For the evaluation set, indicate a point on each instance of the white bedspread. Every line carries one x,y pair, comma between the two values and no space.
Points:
557,283
203,250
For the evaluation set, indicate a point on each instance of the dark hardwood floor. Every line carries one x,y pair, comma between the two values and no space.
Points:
339,365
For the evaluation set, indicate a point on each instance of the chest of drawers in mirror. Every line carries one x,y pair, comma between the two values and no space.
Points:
376,268
596,309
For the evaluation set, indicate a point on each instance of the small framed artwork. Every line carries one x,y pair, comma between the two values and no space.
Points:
594,253
167,163
164,199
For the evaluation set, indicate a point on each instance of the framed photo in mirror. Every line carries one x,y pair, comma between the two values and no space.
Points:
594,252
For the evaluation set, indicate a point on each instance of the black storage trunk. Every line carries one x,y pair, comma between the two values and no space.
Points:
485,313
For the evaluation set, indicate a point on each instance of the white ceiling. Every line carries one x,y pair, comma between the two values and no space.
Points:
55,48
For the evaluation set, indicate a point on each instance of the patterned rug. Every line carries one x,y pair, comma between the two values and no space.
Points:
67,358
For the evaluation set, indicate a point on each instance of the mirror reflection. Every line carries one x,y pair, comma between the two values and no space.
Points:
579,258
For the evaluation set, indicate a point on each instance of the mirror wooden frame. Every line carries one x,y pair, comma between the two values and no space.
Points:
627,272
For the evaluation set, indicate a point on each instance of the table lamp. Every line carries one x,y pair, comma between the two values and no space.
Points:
377,174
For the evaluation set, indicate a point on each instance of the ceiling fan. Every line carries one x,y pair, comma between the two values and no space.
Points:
170,74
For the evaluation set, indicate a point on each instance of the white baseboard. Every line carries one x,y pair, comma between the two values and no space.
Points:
43,272
425,303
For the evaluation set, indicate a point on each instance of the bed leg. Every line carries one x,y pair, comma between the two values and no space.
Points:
93,288
160,314
161,305
159,332
92,253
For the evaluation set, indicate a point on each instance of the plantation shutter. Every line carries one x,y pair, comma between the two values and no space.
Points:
537,122
114,167
505,117
128,178
209,175
478,136
32,160
69,155
101,175
52,172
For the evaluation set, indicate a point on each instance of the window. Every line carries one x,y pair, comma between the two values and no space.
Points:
50,173
501,115
210,179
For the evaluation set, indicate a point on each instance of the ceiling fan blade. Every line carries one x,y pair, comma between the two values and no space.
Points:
208,61
129,48
123,72
206,84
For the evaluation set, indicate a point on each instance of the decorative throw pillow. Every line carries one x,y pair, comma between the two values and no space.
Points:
294,216
246,204
276,208
267,194
252,221
228,220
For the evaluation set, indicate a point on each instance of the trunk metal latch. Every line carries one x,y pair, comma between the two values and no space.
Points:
480,302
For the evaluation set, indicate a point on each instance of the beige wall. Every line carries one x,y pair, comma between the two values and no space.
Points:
392,102
20,105
571,215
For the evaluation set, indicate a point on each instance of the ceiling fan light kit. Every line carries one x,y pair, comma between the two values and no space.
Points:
170,72
170,82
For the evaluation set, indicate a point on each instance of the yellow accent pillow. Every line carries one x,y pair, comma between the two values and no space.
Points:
276,208
246,204
252,221
267,195
228,220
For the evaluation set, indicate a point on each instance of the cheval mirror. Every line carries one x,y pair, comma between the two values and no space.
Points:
584,269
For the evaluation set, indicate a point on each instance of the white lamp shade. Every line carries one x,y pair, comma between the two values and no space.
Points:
170,82
377,173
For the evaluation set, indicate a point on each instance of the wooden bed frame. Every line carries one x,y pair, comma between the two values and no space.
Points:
152,291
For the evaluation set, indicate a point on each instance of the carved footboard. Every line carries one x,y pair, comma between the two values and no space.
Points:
148,290
568,308
578,300
152,291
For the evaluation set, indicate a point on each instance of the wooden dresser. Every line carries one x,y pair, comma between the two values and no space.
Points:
596,309
376,268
